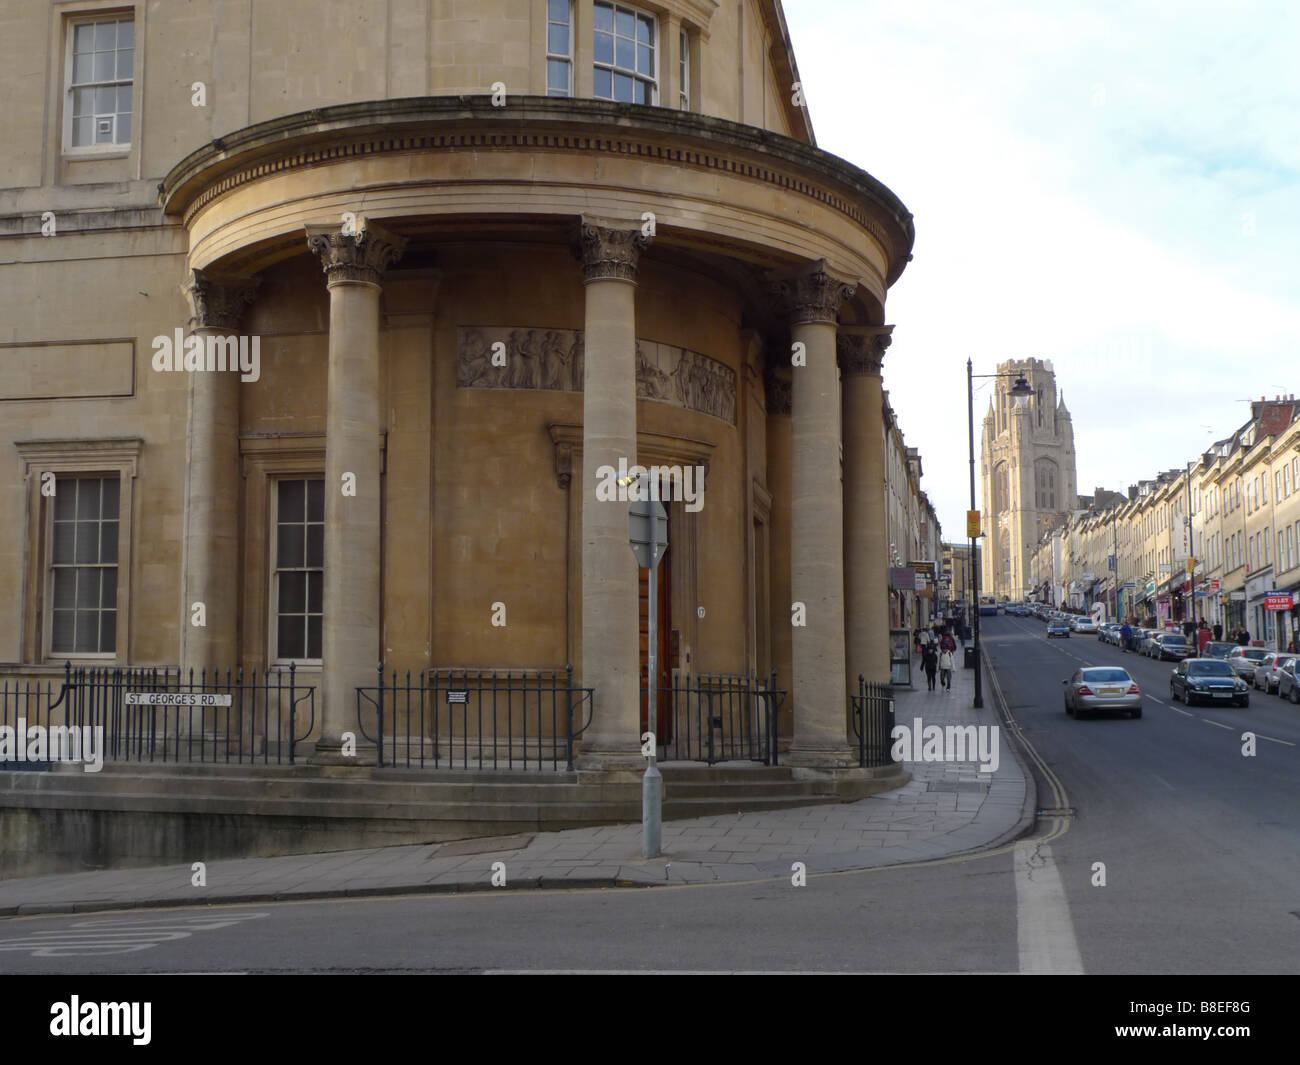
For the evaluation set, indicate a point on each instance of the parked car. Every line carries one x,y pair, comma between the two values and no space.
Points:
1096,688
1211,679
1083,624
1057,627
1146,643
1288,683
1173,646
1218,649
1266,670
1244,660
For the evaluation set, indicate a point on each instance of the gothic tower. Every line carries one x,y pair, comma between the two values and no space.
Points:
1028,476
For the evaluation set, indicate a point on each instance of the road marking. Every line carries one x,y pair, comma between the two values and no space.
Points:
1176,710
1216,724
115,935
1164,782
1044,931
1272,740
1155,700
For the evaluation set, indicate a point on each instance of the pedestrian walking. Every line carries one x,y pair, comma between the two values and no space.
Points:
1243,637
1218,631
1126,637
945,669
947,643
930,663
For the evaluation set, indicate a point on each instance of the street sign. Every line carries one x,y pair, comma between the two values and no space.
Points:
647,523
177,699
972,524
461,696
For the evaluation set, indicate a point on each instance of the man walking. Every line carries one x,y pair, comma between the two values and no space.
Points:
1218,630
1126,636
945,668
929,663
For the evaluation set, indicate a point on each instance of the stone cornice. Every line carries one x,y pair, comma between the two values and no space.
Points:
218,301
537,123
610,254
361,256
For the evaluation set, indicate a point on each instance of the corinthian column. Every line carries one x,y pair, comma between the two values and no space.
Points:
866,540
210,535
611,650
813,297
353,265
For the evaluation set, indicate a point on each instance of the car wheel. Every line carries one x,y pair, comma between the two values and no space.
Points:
1173,693
1295,693
1245,702
1067,707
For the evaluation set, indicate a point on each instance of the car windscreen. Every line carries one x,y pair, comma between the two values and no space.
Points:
1175,639
1218,649
1106,676
1209,669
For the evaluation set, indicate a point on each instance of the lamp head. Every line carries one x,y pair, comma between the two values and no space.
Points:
1021,392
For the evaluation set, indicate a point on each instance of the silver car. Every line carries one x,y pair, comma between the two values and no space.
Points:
1266,671
1288,683
1244,660
1095,688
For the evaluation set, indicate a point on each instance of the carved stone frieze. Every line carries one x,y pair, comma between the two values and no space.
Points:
552,359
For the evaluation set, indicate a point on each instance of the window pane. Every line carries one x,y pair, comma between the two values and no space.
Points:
315,546
87,498
83,131
108,631
87,638
643,93
125,60
82,68
126,34
316,500
293,593
291,501
604,19
105,35
315,588
557,39
289,642
65,589
292,547
644,60
83,38
313,636
104,65
558,10
603,85
626,22
124,99
557,75
105,101
622,88
645,29
88,588
65,533
123,129
625,54
604,47
87,541
108,589
111,489
61,636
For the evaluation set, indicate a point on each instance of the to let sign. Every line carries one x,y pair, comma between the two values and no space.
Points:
1278,601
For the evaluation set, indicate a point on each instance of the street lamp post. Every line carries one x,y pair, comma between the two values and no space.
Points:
1020,394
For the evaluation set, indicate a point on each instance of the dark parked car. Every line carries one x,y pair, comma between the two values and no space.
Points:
1218,649
1211,679
1172,646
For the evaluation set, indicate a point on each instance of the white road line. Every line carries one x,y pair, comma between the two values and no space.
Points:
1272,740
1155,700
1164,782
1044,930
1216,724
1183,712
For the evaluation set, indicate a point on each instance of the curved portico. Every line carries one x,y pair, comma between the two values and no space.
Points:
622,257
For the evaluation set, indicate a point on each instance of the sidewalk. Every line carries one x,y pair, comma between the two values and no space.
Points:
945,810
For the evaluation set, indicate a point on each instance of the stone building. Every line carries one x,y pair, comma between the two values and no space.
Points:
458,263
1028,475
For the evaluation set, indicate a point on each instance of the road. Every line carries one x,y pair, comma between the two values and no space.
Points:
1200,847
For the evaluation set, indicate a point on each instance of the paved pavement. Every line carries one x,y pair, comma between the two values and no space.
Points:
948,808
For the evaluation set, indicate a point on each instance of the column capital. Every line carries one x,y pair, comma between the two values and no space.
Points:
862,350
811,293
777,388
217,301
361,256
609,253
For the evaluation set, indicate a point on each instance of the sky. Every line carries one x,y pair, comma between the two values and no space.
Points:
1111,186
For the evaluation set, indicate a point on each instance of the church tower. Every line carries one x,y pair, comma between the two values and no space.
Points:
1027,473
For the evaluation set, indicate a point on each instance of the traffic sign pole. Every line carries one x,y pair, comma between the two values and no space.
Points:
648,535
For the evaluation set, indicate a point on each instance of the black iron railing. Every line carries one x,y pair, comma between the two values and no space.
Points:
716,717
156,715
476,719
873,723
